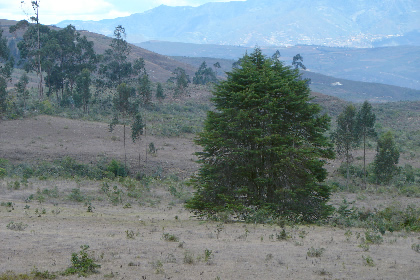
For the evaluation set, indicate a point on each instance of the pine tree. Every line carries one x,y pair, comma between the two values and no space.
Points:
263,146
159,92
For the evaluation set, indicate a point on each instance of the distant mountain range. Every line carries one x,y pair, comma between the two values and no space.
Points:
350,23
398,66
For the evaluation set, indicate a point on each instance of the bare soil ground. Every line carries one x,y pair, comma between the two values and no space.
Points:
238,251
49,138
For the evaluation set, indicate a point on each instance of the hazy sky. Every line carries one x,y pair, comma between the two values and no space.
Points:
54,11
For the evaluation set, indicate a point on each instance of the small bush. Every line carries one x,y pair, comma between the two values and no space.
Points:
315,253
117,168
416,248
368,261
170,237
3,173
82,263
373,238
76,195
188,258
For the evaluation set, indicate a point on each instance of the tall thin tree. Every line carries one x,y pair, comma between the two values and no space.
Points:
346,136
365,125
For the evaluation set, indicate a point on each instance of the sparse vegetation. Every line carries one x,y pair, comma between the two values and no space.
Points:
170,237
16,226
315,252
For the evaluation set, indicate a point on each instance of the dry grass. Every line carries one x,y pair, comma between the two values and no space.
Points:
237,250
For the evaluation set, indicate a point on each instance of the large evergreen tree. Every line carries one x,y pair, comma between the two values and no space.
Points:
263,146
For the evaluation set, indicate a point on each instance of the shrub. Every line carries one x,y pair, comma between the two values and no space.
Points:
16,226
76,195
117,168
416,248
368,261
82,263
315,253
170,237
3,173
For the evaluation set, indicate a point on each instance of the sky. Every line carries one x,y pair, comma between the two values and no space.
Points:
54,11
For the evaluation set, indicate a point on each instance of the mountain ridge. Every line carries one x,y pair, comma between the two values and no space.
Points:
269,23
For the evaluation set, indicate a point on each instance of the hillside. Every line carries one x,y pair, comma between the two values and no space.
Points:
269,23
160,67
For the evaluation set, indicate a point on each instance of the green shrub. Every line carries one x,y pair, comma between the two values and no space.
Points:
3,173
82,263
373,238
416,248
170,237
117,168
46,107
76,195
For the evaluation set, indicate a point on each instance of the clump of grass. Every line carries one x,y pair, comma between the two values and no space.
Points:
16,226
368,261
158,265
282,235
315,253
170,237
188,258
208,255
42,274
130,234
416,248
373,238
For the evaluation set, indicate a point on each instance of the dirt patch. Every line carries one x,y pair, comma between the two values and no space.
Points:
49,138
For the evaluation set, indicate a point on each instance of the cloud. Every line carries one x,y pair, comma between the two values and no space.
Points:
54,11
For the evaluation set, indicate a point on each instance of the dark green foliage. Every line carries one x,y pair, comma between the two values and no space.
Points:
137,127
204,75
83,82
116,68
76,195
346,136
145,89
159,92
365,126
21,89
6,67
298,62
117,168
386,159
181,81
82,263
263,146
392,218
